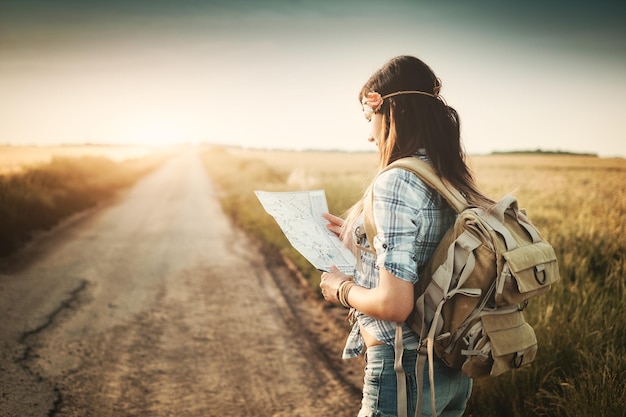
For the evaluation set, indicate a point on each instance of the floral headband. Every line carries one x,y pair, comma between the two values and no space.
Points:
373,101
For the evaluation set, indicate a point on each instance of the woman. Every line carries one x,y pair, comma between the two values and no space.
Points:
408,118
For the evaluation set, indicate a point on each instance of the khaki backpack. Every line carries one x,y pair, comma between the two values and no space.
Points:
470,296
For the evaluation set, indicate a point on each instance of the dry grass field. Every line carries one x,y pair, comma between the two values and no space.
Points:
16,158
579,205
41,186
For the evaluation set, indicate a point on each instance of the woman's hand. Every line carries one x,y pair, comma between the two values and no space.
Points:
330,283
335,224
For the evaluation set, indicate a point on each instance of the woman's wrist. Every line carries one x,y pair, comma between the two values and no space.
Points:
342,292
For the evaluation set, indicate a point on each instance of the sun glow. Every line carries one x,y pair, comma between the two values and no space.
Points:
155,130
258,80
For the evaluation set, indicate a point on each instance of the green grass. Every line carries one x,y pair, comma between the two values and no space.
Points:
579,205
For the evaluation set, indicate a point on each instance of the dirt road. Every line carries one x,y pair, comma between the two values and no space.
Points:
155,306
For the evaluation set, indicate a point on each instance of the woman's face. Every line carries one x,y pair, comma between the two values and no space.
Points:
376,124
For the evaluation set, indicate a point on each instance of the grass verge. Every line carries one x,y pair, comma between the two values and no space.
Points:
38,198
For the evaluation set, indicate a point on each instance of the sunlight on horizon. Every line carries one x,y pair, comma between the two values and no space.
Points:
260,81
123,108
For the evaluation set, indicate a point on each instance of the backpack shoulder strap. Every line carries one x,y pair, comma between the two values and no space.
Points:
427,174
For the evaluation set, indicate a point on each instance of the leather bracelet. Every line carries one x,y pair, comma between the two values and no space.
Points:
338,294
343,291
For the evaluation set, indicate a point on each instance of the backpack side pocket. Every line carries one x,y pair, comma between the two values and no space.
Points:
499,342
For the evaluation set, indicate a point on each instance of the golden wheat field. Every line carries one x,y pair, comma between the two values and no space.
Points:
578,204
588,194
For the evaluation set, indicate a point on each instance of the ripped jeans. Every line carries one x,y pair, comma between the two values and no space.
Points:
452,388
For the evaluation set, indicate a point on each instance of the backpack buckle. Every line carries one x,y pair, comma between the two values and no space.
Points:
540,274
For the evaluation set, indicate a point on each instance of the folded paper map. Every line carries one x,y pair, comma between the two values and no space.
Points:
299,215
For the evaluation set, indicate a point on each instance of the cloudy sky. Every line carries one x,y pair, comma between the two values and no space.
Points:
286,73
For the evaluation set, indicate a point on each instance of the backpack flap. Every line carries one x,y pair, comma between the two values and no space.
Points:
513,341
499,343
528,271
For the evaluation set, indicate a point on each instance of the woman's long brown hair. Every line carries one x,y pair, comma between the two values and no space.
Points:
416,121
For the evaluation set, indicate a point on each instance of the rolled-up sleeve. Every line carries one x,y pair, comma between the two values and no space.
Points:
397,206
409,222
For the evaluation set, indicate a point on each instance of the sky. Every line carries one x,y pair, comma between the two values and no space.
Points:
285,74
